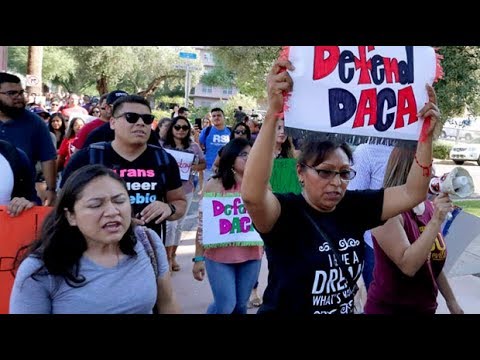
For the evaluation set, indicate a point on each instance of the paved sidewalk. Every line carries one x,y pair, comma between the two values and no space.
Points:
194,296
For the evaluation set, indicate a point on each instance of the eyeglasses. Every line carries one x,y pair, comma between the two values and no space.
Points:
103,108
132,117
243,154
240,132
183,127
13,93
345,175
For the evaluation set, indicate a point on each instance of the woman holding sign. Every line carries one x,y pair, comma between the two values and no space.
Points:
227,245
90,259
178,137
314,240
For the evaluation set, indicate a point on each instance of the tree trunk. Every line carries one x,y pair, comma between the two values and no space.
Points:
34,70
102,85
153,86
3,58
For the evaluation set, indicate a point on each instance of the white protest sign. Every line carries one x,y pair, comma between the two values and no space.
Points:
360,90
184,161
226,222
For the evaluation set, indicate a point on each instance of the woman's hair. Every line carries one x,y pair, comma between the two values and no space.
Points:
247,131
69,134
314,151
230,153
398,166
61,245
286,149
169,138
62,127
160,123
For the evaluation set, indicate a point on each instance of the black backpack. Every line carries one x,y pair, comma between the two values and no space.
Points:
96,153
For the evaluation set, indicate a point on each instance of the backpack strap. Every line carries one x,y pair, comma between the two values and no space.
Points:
163,162
96,152
143,236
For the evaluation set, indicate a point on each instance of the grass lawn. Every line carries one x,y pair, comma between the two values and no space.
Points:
470,206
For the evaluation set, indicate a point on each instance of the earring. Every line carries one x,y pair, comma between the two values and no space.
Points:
302,182
233,171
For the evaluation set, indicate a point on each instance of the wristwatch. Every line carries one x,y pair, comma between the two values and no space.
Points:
198,258
172,208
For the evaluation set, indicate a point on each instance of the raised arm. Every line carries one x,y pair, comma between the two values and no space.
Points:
405,197
261,204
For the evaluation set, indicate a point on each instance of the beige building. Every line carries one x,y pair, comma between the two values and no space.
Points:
207,96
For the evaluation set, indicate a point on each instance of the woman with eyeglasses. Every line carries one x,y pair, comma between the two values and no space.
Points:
314,240
178,137
232,270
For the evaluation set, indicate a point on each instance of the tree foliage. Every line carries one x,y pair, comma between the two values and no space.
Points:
136,69
459,90
250,64
247,103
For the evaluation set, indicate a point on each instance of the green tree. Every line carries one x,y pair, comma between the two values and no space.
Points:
459,90
249,64
247,102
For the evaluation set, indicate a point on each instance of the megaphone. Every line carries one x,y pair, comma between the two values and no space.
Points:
457,183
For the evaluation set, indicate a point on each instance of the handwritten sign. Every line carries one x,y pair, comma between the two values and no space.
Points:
184,161
16,232
226,222
360,90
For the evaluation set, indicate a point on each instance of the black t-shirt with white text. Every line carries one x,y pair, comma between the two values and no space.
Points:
304,277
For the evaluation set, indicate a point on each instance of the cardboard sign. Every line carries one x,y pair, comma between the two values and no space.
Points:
360,90
226,222
464,230
184,161
16,232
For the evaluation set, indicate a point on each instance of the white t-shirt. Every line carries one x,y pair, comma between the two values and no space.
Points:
6,181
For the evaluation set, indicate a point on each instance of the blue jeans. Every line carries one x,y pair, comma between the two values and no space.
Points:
368,266
231,285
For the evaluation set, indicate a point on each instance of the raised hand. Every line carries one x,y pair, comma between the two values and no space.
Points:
430,110
278,82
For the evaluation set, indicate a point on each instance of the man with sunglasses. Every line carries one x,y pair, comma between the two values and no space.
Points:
106,102
154,186
26,130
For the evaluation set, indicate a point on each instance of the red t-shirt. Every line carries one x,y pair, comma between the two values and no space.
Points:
85,131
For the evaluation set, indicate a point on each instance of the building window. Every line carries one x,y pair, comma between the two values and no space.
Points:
228,91
207,89
207,57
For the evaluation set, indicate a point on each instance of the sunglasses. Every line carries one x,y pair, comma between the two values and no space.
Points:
240,132
13,93
345,175
183,127
132,117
